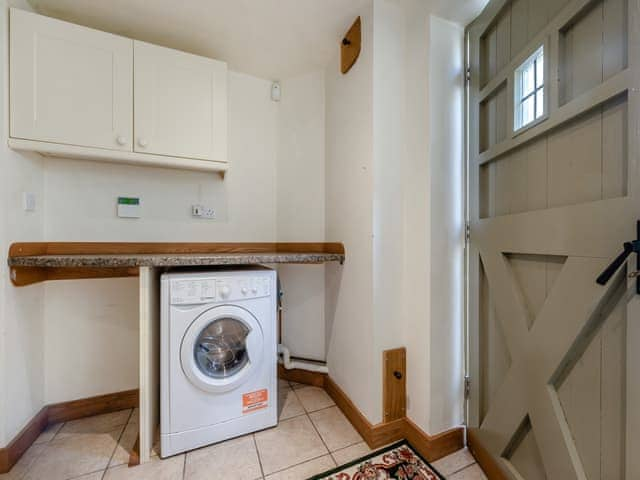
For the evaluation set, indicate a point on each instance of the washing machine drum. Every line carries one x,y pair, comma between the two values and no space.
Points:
221,348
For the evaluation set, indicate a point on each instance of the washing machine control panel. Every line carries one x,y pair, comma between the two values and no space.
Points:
186,291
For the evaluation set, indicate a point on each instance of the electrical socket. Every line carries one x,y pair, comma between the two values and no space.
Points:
209,213
200,211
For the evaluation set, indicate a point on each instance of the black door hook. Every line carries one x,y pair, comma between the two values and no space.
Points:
629,248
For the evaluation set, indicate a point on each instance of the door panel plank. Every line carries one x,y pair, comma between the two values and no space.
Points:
614,148
575,162
613,417
582,408
495,353
582,54
526,456
519,22
614,37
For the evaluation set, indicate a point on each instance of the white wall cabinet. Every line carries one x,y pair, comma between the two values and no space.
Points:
180,103
81,93
69,84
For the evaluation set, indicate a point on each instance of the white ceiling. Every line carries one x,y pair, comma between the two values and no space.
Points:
273,39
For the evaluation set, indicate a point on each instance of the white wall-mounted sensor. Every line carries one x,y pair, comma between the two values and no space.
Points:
129,207
276,92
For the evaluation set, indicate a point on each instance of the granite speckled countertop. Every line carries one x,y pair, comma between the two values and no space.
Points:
169,260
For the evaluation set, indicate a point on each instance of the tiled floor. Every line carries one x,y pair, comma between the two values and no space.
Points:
312,436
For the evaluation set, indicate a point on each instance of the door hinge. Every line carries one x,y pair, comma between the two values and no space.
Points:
467,387
467,75
467,231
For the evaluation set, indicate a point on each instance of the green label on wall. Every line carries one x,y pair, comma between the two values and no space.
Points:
128,201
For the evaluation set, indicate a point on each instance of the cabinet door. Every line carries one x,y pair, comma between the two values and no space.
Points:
70,84
180,104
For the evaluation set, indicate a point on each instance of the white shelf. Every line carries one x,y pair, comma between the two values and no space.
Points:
116,156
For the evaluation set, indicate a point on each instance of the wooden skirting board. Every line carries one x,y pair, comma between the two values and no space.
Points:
303,376
430,447
63,412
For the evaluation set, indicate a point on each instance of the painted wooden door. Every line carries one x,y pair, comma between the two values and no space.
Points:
180,104
69,84
553,355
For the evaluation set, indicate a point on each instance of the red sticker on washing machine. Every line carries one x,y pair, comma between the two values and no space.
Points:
255,401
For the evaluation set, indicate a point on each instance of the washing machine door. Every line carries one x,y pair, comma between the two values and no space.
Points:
221,348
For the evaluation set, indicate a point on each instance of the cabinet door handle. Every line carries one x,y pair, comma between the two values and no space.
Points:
121,140
143,142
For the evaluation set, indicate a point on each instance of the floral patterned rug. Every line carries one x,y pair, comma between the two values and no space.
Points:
397,461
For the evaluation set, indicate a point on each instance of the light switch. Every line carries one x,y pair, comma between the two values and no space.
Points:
29,201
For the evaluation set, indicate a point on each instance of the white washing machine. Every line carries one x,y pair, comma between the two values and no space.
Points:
218,357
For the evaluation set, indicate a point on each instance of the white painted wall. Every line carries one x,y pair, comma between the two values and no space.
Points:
389,157
416,230
446,156
349,219
400,214
21,332
422,204
432,228
301,209
91,338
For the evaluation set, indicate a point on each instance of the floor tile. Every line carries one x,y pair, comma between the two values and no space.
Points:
48,433
288,404
474,472
25,462
125,445
334,428
169,469
155,448
454,462
97,424
304,470
235,459
91,476
135,416
296,385
292,442
73,456
348,454
313,398
283,384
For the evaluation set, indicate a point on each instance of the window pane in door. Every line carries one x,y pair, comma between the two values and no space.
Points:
527,80
539,103
540,71
526,111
